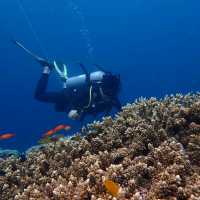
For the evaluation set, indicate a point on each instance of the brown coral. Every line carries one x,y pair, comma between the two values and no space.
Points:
151,149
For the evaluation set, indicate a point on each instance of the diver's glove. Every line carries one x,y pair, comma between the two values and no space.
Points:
74,115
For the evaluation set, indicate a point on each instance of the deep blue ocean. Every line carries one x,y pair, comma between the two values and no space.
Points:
153,44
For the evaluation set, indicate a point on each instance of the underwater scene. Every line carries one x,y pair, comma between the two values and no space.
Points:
100,100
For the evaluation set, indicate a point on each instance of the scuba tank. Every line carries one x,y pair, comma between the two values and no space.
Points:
81,80
108,80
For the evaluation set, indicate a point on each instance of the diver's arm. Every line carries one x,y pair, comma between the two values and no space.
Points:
40,92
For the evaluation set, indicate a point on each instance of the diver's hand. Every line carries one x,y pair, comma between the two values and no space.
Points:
45,63
73,114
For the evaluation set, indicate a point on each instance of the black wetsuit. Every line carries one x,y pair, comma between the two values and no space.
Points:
78,97
72,98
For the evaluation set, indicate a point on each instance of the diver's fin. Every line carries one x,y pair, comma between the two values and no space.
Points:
27,50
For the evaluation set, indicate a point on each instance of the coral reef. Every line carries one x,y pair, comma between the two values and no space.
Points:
151,150
5,153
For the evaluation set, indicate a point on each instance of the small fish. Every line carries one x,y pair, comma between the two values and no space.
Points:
7,136
56,129
62,127
112,187
49,133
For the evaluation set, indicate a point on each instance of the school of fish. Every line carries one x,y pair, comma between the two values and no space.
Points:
49,136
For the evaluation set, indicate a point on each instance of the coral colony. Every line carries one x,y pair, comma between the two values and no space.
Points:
151,150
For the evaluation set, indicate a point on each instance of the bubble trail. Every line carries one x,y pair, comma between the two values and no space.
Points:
84,31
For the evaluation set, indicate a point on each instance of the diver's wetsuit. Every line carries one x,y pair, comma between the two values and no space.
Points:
102,98
72,98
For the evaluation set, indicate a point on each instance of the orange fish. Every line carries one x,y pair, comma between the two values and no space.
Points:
7,136
112,187
49,133
62,127
56,129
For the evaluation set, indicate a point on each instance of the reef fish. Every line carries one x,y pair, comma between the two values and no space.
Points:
7,136
61,127
49,133
112,187
57,129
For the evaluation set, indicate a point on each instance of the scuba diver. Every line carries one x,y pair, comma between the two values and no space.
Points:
86,94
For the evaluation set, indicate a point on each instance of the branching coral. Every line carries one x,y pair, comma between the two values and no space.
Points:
151,149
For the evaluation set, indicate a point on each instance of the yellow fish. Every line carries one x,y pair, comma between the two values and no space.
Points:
112,187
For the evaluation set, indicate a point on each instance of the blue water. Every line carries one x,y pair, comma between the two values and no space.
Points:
154,45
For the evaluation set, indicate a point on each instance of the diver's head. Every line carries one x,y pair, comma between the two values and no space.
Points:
111,84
